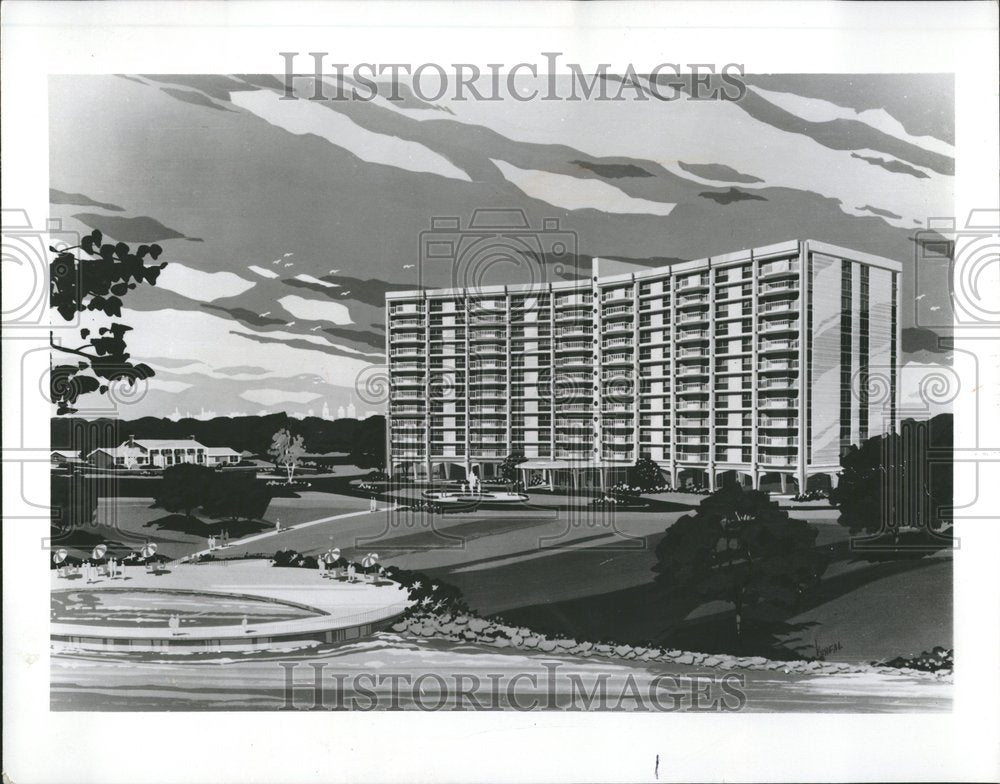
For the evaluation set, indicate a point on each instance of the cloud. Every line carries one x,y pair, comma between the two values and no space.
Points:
818,110
923,339
730,196
239,370
718,172
613,171
201,286
305,117
270,397
78,199
138,229
316,281
316,310
573,193
892,165
264,273
167,386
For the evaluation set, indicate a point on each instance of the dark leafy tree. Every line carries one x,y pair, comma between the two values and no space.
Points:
739,547
899,480
508,468
184,488
237,497
369,445
646,475
97,283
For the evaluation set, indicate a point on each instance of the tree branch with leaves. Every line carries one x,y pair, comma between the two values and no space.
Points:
97,283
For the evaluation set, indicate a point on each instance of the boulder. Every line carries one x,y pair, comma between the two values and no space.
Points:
478,624
546,645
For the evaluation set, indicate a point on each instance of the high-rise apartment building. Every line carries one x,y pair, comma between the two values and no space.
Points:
765,361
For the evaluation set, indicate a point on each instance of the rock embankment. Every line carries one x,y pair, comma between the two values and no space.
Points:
465,627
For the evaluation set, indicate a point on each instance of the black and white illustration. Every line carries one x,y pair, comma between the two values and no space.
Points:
613,394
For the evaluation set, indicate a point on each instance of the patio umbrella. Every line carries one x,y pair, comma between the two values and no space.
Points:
59,556
369,560
148,551
99,552
331,555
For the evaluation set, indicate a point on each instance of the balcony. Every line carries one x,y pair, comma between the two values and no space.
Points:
691,334
614,407
609,439
488,334
582,330
616,374
408,308
488,379
692,440
779,305
777,402
407,395
777,286
407,367
692,299
778,441
614,342
778,423
407,352
582,361
695,282
405,322
572,454
779,325
488,424
487,410
779,345
575,345
480,364
407,381
691,423
616,295
617,359
692,405
574,300
692,370
692,317
694,456
576,408
778,383
776,268
408,411
776,460
778,364
489,348
476,452
616,310
615,327
416,453
688,389
692,351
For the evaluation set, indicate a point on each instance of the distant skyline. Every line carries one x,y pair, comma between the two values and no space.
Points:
285,223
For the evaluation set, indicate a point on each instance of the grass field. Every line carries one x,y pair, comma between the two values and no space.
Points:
587,573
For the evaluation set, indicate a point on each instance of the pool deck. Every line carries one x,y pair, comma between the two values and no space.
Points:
339,605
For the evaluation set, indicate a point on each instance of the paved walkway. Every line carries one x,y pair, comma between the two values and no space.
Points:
286,529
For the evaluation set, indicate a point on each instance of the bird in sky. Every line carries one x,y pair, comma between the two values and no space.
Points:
276,261
409,266
287,255
334,272
268,313
290,264
345,293
313,329
920,297
290,324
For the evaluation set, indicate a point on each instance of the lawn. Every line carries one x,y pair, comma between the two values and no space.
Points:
583,572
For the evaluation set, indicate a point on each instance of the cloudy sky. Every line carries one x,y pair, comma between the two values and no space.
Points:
285,222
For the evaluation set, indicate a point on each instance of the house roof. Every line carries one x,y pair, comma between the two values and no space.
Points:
118,451
66,452
165,443
221,451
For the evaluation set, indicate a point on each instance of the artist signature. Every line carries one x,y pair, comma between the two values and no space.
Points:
822,652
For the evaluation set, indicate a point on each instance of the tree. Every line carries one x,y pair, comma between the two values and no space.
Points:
237,497
646,475
184,488
898,480
287,451
369,444
508,468
97,283
739,547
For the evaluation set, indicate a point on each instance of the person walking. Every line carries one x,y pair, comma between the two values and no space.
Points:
373,506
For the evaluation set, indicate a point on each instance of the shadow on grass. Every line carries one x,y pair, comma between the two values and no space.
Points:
646,614
196,527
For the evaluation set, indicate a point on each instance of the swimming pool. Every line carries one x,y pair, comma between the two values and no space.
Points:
147,608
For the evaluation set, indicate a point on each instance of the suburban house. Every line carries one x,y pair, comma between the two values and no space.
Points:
160,453
65,457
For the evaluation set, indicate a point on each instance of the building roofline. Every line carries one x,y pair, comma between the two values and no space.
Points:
789,247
